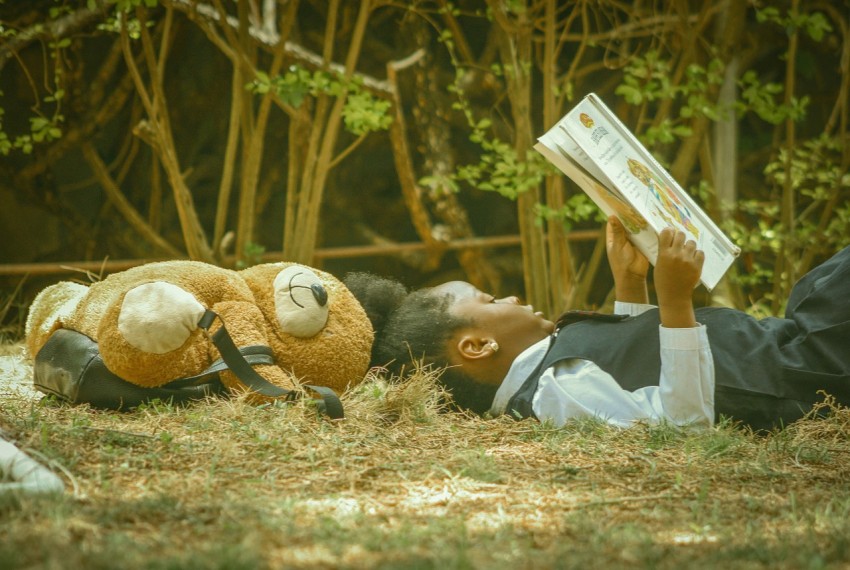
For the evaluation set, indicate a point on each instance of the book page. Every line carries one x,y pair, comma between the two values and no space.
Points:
608,200
595,141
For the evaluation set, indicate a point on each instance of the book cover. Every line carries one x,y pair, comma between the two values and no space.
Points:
594,149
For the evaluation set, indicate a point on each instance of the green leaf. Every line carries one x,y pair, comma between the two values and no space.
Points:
683,131
38,123
817,26
631,94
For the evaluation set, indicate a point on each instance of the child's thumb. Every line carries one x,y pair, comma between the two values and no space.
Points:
614,230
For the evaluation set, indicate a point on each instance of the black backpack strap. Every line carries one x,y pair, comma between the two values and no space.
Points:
254,355
329,403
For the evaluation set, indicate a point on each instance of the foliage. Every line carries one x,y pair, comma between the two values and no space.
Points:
648,78
114,23
500,169
815,24
761,99
126,5
822,224
42,130
578,208
363,112
45,122
253,255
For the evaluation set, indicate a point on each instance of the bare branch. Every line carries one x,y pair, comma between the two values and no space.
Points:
124,207
158,134
270,40
59,28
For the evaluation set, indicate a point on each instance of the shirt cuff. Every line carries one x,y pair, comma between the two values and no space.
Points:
631,309
683,339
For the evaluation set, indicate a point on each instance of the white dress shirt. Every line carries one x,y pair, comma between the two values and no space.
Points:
577,388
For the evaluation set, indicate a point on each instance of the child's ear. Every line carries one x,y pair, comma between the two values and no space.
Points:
471,347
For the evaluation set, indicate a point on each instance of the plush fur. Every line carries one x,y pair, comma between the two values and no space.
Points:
143,320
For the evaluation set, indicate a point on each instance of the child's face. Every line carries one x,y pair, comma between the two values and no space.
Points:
513,326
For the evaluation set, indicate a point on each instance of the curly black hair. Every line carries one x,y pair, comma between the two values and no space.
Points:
415,327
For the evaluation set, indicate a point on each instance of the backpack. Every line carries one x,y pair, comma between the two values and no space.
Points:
69,367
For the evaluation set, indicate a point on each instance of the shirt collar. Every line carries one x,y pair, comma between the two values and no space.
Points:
521,368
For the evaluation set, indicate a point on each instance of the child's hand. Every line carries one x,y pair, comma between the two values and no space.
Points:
677,273
628,265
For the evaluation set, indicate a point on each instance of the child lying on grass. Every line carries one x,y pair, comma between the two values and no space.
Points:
644,363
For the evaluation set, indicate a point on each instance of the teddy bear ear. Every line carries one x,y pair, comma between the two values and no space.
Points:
301,301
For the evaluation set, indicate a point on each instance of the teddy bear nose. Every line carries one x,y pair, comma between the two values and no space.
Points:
319,294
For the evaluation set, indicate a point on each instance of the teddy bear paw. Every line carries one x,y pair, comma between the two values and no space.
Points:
158,317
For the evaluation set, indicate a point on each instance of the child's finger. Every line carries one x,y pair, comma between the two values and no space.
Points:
614,232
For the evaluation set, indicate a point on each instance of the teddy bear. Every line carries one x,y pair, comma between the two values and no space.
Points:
148,323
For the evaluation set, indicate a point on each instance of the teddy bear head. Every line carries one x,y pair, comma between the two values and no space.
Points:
320,332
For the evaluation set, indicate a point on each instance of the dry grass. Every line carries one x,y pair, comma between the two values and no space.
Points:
399,484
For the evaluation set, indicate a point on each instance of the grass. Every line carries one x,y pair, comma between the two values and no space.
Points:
400,484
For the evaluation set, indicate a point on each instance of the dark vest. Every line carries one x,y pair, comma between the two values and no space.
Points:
760,379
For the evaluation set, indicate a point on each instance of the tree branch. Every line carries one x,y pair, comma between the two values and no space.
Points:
59,28
124,207
271,40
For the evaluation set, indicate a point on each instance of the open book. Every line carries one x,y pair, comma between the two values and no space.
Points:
591,146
